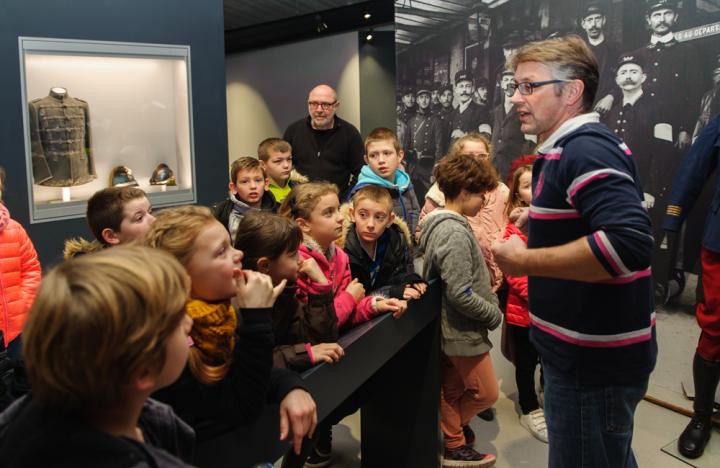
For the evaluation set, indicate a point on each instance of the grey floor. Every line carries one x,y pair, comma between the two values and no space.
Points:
655,426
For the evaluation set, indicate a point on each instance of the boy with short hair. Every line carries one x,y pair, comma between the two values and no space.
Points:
275,155
248,191
95,351
115,215
469,307
383,158
379,246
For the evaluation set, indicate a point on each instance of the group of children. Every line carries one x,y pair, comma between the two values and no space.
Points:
213,312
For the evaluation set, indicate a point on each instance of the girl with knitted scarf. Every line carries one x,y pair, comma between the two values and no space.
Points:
229,374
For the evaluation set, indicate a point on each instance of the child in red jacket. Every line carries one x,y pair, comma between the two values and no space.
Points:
517,315
19,281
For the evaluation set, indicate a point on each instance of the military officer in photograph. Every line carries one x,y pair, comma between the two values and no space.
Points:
468,116
508,142
407,108
443,114
593,21
673,72
633,120
425,143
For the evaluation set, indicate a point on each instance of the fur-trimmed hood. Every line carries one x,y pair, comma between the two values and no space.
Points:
347,224
78,246
297,178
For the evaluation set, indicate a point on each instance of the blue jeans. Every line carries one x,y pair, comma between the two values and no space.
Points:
590,426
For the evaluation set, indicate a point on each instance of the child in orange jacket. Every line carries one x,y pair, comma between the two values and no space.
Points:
19,281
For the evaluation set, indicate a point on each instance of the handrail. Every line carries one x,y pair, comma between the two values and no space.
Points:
402,354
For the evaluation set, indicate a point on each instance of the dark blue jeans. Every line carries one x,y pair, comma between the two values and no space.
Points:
590,426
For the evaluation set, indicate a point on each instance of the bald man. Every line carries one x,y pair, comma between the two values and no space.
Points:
326,147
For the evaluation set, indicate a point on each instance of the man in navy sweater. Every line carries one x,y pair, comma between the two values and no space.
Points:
587,259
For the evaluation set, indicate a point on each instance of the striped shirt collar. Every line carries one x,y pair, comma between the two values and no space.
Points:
567,128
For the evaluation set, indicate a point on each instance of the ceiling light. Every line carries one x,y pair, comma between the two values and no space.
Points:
369,35
367,15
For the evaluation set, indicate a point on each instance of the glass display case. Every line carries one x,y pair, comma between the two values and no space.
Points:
99,114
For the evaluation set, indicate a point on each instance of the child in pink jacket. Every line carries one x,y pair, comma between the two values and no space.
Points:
315,208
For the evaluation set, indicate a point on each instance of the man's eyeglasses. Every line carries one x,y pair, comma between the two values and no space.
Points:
322,105
526,87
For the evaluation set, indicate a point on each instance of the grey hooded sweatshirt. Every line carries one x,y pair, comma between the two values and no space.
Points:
469,307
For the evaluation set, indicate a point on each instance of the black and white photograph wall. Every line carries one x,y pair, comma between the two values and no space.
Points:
659,67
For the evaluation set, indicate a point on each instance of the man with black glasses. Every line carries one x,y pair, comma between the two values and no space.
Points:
326,147
587,259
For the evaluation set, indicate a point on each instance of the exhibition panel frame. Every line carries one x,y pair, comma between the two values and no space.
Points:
99,114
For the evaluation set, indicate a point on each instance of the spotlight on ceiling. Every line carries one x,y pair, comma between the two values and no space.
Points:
369,35
367,15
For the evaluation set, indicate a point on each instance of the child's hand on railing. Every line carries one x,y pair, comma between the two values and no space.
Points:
327,352
396,306
414,291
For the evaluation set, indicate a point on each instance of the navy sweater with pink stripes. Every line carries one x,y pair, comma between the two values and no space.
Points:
585,184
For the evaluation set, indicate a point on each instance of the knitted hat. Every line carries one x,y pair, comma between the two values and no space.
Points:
213,330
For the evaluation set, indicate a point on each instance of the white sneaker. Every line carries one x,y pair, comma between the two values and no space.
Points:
534,422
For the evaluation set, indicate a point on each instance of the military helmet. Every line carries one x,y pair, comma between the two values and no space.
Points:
162,175
122,176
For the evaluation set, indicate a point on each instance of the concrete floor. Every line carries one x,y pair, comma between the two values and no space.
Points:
655,426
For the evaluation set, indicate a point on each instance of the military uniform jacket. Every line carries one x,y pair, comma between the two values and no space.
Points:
508,142
634,124
60,141
470,119
406,113
425,135
673,78
699,164
443,115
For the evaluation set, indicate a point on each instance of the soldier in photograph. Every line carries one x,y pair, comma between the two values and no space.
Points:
435,97
408,107
633,119
673,75
424,136
508,142
593,21
468,116
512,42
444,114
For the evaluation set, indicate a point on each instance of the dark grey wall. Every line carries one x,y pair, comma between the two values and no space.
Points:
377,81
197,23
